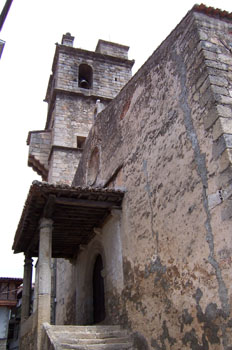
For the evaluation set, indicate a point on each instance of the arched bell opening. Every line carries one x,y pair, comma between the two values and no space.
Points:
85,79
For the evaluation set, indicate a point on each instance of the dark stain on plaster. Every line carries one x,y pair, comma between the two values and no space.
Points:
125,109
155,267
161,340
209,318
139,342
187,319
191,339
71,310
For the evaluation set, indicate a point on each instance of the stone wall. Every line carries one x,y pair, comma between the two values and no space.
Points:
165,139
112,49
72,116
63,164
39,147
28,333
109,74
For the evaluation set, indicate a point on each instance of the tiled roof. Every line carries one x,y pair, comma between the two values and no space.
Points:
75,212
212,12
9,279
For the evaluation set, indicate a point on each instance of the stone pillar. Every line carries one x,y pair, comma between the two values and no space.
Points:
26,296
44,271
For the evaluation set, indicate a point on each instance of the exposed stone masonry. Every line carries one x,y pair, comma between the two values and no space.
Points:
73,108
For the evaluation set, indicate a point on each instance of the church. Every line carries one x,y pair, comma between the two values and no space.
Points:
131,222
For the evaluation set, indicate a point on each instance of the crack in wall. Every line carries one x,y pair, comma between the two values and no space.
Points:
202,172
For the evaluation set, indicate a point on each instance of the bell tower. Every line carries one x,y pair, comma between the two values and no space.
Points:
82,83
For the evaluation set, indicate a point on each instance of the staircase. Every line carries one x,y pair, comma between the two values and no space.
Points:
86,338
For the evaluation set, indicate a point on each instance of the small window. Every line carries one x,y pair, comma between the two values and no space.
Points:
85,78
80,141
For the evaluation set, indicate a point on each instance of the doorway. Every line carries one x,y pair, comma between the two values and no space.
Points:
98,291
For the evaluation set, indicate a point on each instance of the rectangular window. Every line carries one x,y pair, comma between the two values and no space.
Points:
80,142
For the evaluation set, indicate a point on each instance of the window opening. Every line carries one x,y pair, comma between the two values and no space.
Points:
85,78
80,142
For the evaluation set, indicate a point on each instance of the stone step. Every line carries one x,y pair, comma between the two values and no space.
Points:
91,329
116,346
79,341
90,335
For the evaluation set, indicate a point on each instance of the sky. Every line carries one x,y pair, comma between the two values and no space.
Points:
31,30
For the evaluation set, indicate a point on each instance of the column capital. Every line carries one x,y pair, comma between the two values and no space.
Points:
28,261
45,223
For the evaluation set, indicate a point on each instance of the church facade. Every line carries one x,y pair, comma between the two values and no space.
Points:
132,222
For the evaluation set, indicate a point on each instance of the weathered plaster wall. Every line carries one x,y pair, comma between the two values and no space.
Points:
65,292
162,139
107,243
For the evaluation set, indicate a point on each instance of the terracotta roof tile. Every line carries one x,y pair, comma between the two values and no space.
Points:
213,12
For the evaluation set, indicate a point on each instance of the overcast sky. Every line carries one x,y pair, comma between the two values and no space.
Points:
30,31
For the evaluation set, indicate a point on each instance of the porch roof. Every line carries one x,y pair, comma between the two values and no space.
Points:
75,212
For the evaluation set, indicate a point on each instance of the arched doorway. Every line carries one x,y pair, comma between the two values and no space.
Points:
98,291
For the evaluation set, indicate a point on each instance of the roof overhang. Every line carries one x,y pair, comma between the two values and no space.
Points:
75,212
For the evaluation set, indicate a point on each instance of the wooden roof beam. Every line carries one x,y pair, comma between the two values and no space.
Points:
88,203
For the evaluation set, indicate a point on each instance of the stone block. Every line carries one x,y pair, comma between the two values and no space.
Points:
223,142
216,80
226,211
217,65
210,116
210,55
222,126
227,100
219,90
225,59
225,160
214,199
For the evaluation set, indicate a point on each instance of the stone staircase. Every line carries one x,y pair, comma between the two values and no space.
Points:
85,338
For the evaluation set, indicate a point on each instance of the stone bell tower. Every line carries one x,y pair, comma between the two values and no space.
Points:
82,83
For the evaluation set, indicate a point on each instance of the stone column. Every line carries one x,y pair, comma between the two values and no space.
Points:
44,271
26,296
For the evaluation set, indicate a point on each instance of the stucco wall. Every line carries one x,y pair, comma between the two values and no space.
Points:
106,243
66,292
159,135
